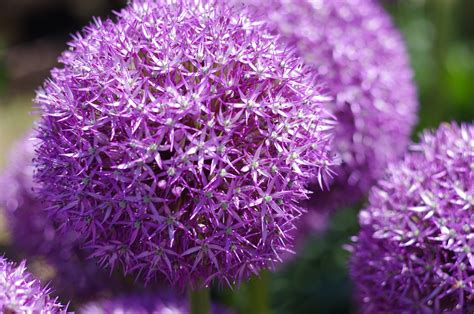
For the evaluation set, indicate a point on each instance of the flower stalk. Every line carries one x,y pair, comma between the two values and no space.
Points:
258,293
199,300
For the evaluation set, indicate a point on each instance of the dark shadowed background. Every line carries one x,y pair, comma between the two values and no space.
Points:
440,38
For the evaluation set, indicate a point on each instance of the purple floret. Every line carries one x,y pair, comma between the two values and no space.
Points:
179,141
144,304
354,46
414,253
20,292
34,235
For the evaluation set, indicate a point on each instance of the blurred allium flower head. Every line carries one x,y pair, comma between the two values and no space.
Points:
414,253
179,139
34,234
20,292
355,47
143,304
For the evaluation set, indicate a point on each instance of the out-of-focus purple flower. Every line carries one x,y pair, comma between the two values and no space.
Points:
354,45
143,304
16,184
34,233
20,292
179,139
415,250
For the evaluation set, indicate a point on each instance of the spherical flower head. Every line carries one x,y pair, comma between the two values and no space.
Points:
355,47
414,253
178,141
20,292
144,304
34,234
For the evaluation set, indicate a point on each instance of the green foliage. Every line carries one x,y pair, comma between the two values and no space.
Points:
317,282
441,46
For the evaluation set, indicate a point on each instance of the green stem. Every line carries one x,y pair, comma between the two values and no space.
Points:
199,300
258,289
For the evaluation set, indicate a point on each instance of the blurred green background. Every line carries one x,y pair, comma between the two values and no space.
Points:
440,39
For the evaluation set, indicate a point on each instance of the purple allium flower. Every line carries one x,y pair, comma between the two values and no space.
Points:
415,250
34,233
16,184
355,47
178,141
143,304
20,292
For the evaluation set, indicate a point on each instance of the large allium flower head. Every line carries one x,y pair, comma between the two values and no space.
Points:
34,234
179,139
143,304
20,292
354,45
414,253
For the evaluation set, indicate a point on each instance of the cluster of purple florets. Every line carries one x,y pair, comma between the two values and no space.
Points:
35,235
179,140
143,304
415,250
354,47
137,304
20,292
